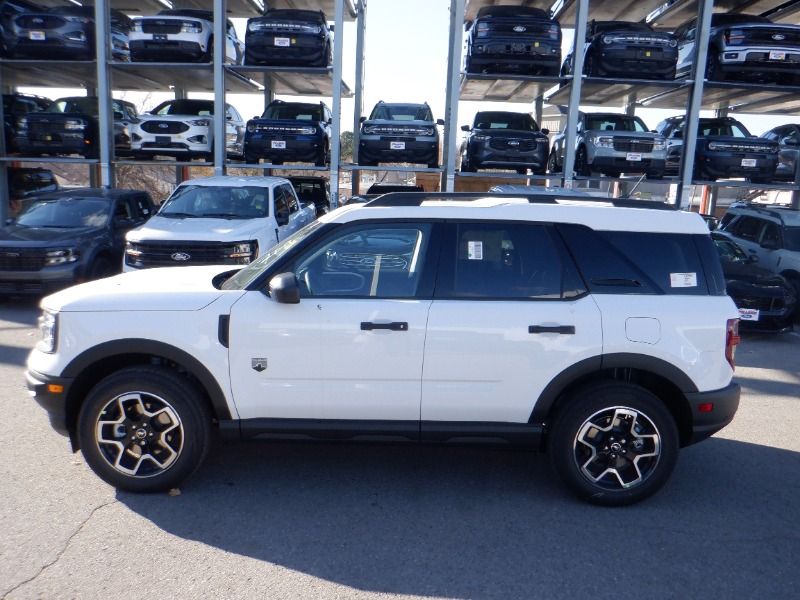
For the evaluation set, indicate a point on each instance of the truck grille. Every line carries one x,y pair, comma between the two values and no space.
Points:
178,254
512,144
155,26
164,127
764,37
21,259
632,145
762,303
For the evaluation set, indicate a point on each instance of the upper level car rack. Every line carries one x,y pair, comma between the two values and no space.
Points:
417,198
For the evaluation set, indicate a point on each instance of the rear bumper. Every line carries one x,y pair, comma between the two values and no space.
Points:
725,402
55,403
297,148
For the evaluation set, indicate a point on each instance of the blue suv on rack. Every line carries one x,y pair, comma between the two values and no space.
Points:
290,131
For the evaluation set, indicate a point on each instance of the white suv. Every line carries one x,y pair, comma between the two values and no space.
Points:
184,128
432,317
217,221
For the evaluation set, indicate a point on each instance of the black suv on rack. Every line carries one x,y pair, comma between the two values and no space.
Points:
289,37
16,106
70,126
290,131
724,149
65,33
516,39
622,49
504,140
743,47
313,190
399,132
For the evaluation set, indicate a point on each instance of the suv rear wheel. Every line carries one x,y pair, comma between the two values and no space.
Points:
614,444
144,429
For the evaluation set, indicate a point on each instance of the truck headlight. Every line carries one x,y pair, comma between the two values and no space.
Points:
74,124
307,131
659,144
191,27
244,252
48,328
603,141
60,256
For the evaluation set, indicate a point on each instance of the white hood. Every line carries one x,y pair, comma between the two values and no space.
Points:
168,288
200,230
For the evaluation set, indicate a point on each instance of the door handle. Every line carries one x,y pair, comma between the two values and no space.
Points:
562,329
395,326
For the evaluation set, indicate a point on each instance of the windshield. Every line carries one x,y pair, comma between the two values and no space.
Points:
723,128
791,238
67,213
730,251
615,123
205,201
402,112
294,112
197,108
252,271
84,106
504,120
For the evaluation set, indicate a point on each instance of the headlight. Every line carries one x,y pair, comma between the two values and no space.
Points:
370,129
200,122
48,327
607,39
74,19
244,252
22,122
659,144
130,250
73,124
480,138
604,141
191,27
60,257
713,146
251,127
307,130
136,27
255,26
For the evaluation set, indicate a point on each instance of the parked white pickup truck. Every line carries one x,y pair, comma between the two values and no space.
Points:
217,221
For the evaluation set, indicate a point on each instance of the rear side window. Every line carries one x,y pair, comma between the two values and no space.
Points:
624,262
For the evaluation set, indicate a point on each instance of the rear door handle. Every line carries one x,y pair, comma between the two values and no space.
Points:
395,326
562,329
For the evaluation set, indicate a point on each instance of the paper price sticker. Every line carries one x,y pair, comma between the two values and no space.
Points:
475,250
683,280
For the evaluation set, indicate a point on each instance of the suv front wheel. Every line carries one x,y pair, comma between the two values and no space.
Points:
144,429
614,444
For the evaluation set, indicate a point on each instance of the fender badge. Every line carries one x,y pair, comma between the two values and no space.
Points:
259,364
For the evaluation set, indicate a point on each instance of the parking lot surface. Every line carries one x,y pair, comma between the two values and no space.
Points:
288,520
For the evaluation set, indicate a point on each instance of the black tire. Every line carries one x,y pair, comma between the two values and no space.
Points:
522,171
466,165
433,165
582,168
552,163
625,420
180,424
101,267
760,180
713,72
363,162
209,55
251,159
324,157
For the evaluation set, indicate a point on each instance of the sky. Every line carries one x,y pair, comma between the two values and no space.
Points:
406,51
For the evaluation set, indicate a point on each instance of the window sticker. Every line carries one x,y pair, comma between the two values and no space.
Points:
683,280
475,250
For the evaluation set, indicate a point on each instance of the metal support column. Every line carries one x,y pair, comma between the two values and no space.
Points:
538,110
4,195
220,122
358,110
451,98
695,102
105,110
336,109
630,105
181,172
581,15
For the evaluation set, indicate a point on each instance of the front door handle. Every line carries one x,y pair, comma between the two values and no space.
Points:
562,329
395,326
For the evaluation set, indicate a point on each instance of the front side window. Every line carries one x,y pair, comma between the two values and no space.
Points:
371,261
747,228
507,261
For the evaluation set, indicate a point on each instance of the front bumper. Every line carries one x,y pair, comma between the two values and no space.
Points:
298,148
740,63
195,140
60,142
166,50
43,389
513,54
39,283
482,154
644,63
379,150
724,403
54,47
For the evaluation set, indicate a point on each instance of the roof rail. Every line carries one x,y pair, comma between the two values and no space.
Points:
417,198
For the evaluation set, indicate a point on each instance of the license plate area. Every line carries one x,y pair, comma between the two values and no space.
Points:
164,140
749,314
278,145
283,42
748,162
160,37
633,157
777,55
397,145
36,36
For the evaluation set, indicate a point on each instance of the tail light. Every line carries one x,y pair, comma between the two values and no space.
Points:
732,340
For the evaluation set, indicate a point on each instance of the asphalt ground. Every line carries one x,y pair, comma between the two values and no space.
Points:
282,520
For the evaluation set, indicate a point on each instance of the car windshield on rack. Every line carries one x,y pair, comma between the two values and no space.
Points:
294,112
217,202
504,120
83,106
402,112
198,108
615,123
723,128
66,213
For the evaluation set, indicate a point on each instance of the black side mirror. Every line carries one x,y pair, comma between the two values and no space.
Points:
118,116
653,131
282,217
229,117
329,121
545,131
677,134
440,121
331,27
283,288
465,128
362,119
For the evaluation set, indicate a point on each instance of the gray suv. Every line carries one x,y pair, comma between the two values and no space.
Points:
611,143
399,133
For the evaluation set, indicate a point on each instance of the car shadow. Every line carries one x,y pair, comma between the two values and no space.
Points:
22,310
488,523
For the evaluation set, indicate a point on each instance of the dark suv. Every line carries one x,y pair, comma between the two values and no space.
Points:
68,237
289,37
64,33
290,131
515,39
70,126
724,149
505,140
313,190
743,47
16,106
399,133
622,49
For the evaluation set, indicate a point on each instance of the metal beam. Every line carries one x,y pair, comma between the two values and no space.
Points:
4,195
452,93
358,110
538,110
220,122
105,111
336,109
581,17
695,102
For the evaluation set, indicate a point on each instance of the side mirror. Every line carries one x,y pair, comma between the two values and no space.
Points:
440,121
331,27
545,130
465,128
283,288
653,131
118,116
229,117
362,119
255,117
282,217
329,121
